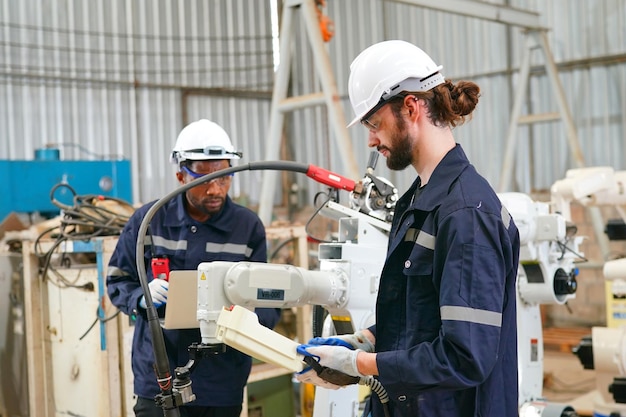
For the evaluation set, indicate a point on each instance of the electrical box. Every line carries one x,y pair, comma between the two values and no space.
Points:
27,184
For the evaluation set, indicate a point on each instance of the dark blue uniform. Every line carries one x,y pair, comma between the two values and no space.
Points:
235,234
445,314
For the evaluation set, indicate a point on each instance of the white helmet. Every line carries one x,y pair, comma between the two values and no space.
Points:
203,140
386,69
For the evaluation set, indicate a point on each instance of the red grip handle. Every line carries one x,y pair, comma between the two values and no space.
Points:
330,178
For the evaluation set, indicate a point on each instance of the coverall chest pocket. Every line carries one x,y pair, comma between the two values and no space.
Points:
419,263
422,297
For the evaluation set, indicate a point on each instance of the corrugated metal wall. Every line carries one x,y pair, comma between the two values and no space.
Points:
588,41
121,78
118,78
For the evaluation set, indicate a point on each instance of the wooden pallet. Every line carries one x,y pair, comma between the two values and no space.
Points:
563,339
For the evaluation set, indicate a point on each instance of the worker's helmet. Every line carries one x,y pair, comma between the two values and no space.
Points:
203,140
386,69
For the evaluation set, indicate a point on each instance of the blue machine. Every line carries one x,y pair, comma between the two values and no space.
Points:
25,185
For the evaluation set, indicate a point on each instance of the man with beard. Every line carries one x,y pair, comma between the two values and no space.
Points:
201,225
445,338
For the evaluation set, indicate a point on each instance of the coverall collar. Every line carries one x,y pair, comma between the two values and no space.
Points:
450,167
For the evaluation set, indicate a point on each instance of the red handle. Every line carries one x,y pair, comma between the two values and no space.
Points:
330,178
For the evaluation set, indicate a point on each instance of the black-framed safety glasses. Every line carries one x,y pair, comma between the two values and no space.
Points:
365,119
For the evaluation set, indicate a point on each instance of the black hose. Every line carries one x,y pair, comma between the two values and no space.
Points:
162,366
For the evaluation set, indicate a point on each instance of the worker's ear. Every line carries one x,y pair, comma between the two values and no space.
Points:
413,105
180,178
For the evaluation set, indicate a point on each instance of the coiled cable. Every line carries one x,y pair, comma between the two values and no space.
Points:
378,388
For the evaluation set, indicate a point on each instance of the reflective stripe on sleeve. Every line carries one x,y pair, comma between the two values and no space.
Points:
114,271
506,217
471,315
172,245
228,248
421,238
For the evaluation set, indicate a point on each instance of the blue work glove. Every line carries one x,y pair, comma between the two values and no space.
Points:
158,292
340,358
356,340
321,376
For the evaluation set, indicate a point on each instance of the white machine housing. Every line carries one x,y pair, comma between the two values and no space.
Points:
546,275
346,285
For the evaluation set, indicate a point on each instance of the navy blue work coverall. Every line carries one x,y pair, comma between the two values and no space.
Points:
446,332
234,234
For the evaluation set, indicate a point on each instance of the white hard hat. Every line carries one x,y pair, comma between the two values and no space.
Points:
203,140
384,70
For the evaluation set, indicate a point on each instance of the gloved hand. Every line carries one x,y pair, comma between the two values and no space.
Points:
309,376
340,358
356,340
158,292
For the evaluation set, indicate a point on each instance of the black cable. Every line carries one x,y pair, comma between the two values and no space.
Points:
565,248
317,211
162,366
280,246
98,319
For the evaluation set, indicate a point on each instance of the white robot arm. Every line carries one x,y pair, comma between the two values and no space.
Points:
595,186
605,350
346,286
546,275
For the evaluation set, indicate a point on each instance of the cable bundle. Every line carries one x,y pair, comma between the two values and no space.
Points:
91,216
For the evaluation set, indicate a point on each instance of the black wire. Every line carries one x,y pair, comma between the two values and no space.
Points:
317,211
565,248
98,319
280,246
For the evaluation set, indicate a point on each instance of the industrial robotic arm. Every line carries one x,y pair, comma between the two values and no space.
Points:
605,350
595,186
345,285
546,275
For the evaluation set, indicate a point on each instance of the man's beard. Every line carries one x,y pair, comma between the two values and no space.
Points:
400,152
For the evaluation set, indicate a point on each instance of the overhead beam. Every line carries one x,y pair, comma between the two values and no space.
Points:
481,10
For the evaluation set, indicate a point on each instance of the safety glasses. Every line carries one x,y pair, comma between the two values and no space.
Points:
365,120
221,181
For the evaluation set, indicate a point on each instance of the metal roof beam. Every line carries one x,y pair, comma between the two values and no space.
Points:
481,10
